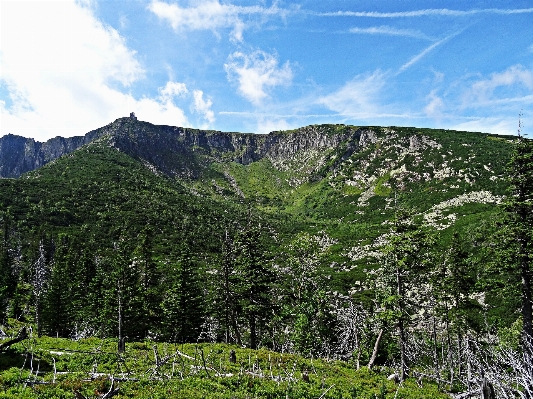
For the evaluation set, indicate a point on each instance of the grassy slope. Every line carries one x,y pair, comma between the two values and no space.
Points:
104,193
465,162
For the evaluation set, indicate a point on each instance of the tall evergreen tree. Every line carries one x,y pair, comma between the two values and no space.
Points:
40,274
519,215
453,282
7,275
403,272
306,300
147,288
183,302
223,302
253,280
58,296
102,298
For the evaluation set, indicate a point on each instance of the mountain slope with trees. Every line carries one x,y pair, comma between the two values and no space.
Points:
381,246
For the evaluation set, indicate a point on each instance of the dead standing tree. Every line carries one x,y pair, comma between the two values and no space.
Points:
40,276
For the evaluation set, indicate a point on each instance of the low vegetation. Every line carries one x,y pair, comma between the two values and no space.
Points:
92,368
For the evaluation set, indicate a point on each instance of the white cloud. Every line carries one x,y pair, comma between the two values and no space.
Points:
359,97
428,12
256,73
171,90
67,73
203,107
124,22
503,126
512,85
435,105
267,125
211,15
391,31
424,52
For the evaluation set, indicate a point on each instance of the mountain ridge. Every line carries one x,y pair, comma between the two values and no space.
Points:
19,155
163,191
315,175
152,143
329,171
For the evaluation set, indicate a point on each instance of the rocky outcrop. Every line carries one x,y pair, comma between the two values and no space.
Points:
182,151
19,155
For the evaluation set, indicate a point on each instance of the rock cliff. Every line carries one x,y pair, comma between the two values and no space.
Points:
19,155
182,151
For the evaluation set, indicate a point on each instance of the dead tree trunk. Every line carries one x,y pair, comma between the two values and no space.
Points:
121,344
22,335
487,390
375,350
401,326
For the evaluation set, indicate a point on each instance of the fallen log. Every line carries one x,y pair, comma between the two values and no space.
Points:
22,335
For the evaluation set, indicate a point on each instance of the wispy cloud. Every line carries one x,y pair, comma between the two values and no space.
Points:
495,125
359,96
390,31
520,100
212,15
513,85
203,107
435,105
267,125
252,114
256,73
426,51
422,13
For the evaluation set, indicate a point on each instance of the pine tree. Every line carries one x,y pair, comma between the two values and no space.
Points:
253,279
453,282
306,300
183,304
404,268
147,288
519,220
102,297
222,290
7,276
57,318
40,280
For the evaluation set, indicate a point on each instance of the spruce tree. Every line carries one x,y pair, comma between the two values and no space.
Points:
58,301
183,304
403,271
146,299
519,221
253,279
40,274
222,289
306,301
7,277
453,282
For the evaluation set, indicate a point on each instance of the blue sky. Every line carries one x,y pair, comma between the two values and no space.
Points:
68,67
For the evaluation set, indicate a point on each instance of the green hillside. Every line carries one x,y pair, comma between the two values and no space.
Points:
367,245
